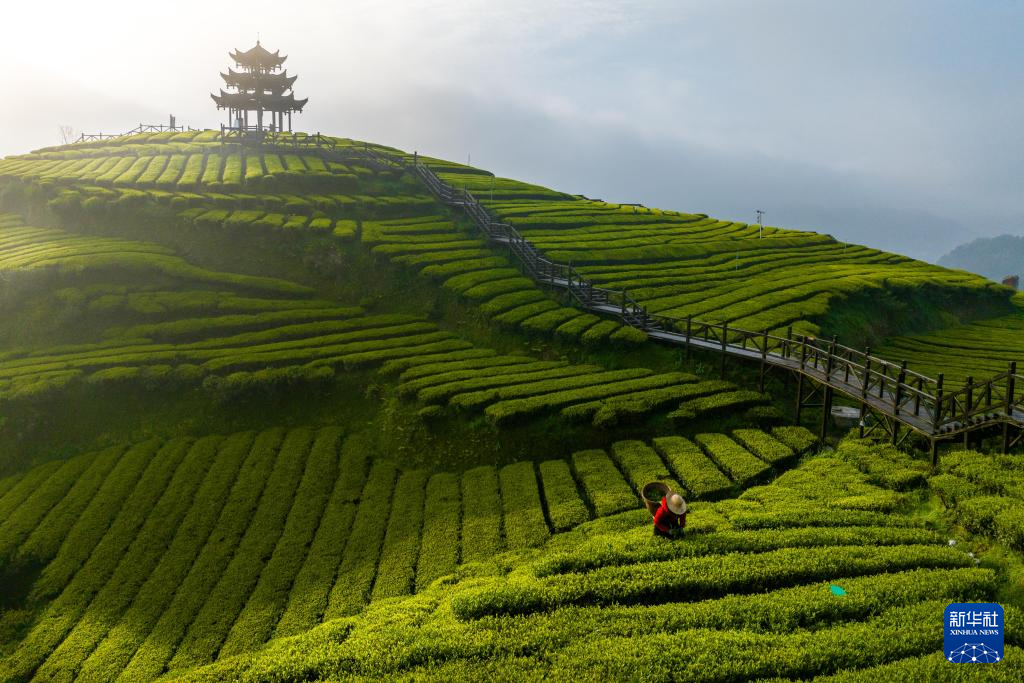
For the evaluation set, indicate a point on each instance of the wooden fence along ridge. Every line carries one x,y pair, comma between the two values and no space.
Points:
141,128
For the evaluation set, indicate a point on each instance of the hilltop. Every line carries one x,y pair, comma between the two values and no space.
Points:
277,412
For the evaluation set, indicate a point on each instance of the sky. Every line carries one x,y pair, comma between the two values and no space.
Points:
891,123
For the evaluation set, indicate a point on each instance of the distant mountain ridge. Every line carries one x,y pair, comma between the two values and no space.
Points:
993,257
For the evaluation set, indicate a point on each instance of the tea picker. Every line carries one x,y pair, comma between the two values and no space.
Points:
670,518
670,515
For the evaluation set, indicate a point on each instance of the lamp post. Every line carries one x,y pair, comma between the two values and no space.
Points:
760,224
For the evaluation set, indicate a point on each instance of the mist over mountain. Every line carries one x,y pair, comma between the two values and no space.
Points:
993,257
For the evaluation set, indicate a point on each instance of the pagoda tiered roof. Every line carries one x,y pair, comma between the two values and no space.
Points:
243,101
258,58
275,83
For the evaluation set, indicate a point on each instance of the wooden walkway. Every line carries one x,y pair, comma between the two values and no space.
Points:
894,395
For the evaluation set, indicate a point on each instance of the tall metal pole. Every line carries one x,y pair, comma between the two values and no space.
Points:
760,224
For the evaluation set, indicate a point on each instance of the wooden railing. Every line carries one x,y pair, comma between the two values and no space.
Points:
141,128
920,402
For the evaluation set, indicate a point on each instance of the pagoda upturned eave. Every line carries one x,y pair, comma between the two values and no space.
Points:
247,101
275,83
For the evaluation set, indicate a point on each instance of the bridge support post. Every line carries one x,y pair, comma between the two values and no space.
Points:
764,361
800,379
689,333
1008,409
901,379
799,395
826,412
967,412
826,394
865,384
725,335
936,419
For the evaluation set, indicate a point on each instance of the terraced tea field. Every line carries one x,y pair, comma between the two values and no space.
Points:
184,160
464,265
682,265
426,465
164,555
979,349
218,188
985,494
675,264
509,389
747,595
234,333
242,327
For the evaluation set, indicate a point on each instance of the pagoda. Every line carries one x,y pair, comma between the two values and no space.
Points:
259,86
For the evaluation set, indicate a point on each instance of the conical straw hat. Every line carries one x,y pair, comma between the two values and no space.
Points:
676,503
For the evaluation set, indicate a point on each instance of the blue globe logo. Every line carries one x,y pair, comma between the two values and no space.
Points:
973,652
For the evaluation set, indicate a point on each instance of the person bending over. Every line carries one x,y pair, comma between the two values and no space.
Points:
670,519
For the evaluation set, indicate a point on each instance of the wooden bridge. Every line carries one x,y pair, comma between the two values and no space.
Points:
900,401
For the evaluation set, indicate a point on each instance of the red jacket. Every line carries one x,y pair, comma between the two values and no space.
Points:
665,519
